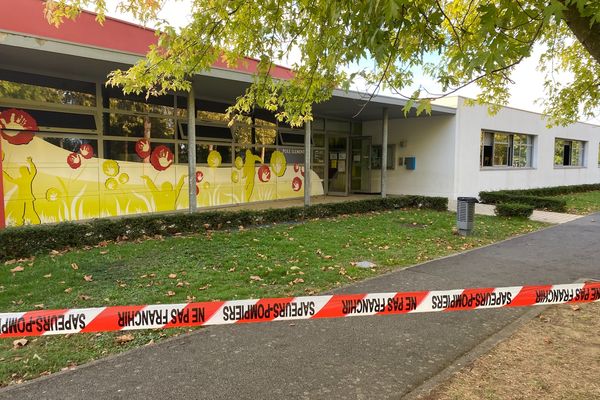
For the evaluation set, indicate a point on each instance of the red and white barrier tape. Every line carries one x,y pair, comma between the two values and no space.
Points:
103,319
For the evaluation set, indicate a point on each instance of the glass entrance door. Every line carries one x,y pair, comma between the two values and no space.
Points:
360,174
337,168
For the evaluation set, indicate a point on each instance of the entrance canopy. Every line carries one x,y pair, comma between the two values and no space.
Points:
72,51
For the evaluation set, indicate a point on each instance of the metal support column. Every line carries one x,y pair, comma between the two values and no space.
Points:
307,166
191,149
384,144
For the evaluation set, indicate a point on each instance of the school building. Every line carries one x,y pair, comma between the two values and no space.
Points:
75,149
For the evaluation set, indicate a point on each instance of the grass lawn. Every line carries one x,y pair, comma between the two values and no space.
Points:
279,260
582,203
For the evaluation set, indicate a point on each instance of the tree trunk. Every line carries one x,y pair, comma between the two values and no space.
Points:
589,36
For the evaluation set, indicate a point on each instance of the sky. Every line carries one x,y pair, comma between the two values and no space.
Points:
525,92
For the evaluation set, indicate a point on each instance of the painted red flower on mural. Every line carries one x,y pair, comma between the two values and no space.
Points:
296,167
296,184
86,151
199,176
264,173
17,127
74,160
302,170
161,158
197,190
142,148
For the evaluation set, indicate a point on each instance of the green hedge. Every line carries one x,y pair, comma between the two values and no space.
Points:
557,190
540,203
514,210
22,242
539,198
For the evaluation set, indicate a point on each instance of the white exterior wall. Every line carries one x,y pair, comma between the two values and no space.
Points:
471,178
431,140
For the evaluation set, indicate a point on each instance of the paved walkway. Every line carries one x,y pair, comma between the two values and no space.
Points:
351,358
541,216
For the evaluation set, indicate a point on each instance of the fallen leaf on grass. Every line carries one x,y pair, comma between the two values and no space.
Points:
124,338
40,306
36,357
296,281
172,276
85,297
74,266
103,252
575,307
20,343
87,278
204,287
170,293
48,276
17,269
68,290
256,278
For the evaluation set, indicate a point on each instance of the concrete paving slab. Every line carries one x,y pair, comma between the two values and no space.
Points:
351,358
540,216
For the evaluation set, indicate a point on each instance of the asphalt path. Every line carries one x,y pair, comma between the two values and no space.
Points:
381,357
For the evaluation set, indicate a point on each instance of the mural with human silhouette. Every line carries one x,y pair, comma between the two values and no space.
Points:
43,182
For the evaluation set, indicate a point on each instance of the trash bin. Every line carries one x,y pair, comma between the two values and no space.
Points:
465,214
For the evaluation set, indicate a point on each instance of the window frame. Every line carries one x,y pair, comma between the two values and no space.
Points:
529,147
582,153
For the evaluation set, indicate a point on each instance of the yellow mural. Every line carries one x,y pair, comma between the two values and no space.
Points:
45,183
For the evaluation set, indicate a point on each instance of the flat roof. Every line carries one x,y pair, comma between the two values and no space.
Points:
84,49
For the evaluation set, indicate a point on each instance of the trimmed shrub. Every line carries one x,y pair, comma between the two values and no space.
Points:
558,190
22,242
540,203
514,210
539,198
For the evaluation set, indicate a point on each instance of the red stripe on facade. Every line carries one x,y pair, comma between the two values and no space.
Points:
27,17
2,217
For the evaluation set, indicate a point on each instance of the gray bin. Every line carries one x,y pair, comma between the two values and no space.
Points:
465,214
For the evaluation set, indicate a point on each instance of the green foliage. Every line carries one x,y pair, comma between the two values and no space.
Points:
291,259
539,203
514,210
21,242
453,43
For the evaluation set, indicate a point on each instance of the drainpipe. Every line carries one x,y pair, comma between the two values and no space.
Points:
307,166
2,220
384,142
192,149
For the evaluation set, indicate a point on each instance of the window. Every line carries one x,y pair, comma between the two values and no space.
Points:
511,150
568,153
46,89
203,150
125,150
138,126
376,156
